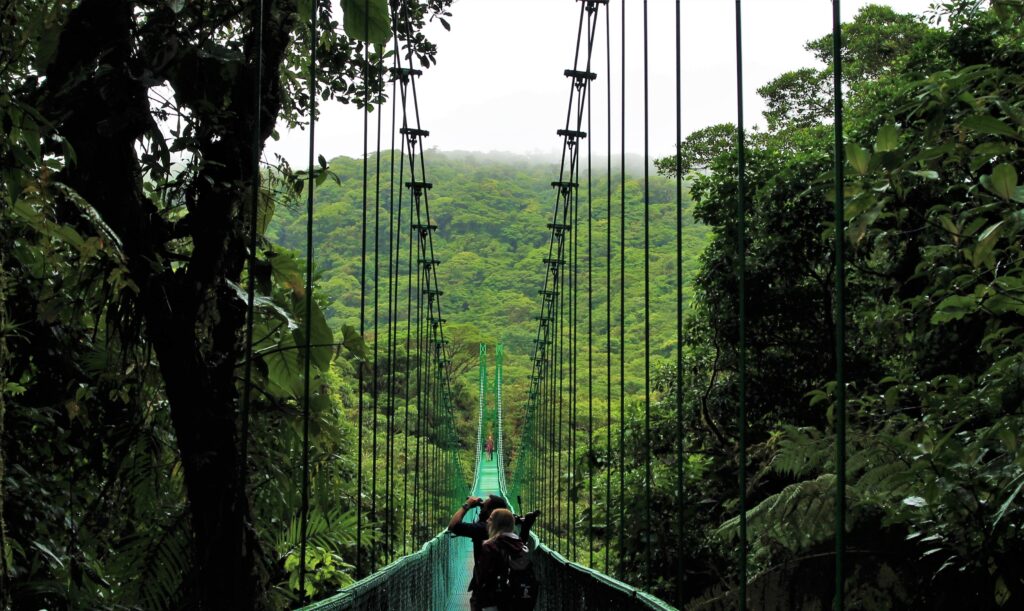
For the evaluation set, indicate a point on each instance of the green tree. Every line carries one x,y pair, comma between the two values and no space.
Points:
699,149
934,374
879,41
133,126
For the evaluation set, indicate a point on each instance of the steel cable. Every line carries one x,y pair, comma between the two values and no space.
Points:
840,307
741,267
304,511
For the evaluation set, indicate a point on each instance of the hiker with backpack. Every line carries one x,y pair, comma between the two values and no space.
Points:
503,574
478,531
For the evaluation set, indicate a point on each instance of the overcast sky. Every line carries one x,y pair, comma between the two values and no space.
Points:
498,84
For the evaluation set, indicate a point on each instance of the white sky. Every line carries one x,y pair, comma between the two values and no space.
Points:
498,83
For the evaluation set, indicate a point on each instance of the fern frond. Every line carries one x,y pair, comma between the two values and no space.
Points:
801,451
798,516
158,558
334,530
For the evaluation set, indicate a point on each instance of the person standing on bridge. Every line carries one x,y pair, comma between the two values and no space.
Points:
503,575
489,448
477,531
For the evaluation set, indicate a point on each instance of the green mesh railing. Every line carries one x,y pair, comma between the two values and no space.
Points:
568,585
499,356
416,581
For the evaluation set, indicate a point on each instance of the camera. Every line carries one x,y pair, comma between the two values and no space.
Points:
533,515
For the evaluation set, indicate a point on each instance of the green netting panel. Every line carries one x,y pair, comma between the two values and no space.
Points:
415,582
567,585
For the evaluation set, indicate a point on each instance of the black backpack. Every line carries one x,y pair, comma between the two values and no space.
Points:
517,586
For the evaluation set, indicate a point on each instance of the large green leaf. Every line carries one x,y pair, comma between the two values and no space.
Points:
954,307
264,211
367,20
321,337
1009,502
304,10
987,124
1002,181
858,157
284,371
947,223
262,302
991,149
986,243
285,269
859,226
353,342
49,38
888,139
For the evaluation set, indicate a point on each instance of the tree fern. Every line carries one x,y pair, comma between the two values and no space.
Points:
795,518
327,536
801,450
156,556
157,559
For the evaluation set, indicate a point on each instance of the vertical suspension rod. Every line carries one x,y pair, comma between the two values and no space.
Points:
840,309
304,518
742,306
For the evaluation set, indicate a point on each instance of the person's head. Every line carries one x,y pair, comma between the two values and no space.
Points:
492,502
500,521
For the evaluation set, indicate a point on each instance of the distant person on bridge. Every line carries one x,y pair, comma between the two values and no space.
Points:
477,531
489,448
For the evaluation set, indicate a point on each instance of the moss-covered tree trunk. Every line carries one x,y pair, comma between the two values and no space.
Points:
5,601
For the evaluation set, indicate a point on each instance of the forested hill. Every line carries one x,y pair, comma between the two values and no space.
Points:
492,211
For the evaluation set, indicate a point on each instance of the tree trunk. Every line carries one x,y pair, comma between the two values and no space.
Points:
5,601
192,317
202,402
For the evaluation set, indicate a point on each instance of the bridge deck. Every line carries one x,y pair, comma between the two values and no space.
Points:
487,483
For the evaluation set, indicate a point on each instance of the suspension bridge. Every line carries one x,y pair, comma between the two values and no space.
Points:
437,575
415,367
192,418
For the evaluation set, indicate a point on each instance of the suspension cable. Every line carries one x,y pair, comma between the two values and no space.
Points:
590,334
375,383
608,299
362,299
554,342
304,517
416,501
647,314
440,366
394,241
741,415
840,308
408,374
680,484
622,310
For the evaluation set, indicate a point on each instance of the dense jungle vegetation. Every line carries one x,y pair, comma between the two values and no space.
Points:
935,353
122,310
934,120
493,210
131,477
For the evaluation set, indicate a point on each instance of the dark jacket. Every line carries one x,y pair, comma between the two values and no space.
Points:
507,551
477,532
